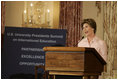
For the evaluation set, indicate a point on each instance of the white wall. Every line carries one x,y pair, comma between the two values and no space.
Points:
90,11
15,9
13,14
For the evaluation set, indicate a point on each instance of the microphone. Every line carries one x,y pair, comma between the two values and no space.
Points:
81,39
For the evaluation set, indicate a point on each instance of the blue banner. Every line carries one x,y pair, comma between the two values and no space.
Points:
23,48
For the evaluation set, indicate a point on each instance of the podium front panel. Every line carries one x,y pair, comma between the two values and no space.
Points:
64,61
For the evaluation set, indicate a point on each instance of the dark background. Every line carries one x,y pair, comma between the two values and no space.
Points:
11,52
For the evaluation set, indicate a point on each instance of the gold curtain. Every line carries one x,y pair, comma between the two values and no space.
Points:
110,37
70,19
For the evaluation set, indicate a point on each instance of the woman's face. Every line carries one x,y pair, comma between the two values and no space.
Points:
88,30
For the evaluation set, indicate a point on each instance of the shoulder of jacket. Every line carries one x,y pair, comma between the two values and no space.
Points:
100,41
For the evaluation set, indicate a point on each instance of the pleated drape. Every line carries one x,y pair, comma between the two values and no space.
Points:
2,16
70,19
2,21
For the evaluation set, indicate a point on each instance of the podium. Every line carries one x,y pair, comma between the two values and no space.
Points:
76,61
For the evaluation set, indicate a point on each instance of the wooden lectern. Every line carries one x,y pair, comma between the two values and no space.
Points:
78,61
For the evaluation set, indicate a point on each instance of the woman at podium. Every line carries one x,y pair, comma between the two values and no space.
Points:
91,40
